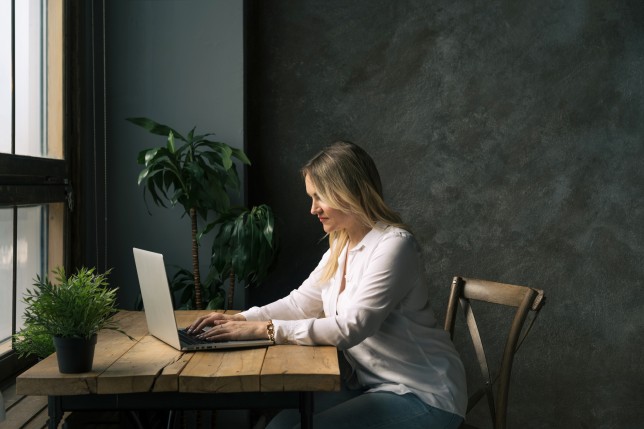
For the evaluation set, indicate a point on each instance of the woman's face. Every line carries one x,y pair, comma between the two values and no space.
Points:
331,219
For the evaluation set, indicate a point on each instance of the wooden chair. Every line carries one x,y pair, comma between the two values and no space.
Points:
526,300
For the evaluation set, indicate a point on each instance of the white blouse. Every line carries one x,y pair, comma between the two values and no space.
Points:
382,321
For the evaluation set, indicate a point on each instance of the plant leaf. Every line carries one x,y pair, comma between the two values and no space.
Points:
154,127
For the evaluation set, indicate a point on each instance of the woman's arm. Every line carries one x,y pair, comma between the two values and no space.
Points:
302,303
391,270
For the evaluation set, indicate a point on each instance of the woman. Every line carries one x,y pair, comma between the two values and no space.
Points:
367,298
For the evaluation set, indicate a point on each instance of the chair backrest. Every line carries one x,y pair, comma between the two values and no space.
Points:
526,300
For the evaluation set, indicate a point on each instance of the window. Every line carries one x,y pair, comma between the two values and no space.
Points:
34,185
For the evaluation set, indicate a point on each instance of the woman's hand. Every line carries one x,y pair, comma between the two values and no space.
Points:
229,330
210,319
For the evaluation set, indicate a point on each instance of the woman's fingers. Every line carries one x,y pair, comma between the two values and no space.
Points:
229,330
218,332
203,321
195,324
210,319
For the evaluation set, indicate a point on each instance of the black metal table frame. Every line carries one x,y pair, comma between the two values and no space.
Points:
181,401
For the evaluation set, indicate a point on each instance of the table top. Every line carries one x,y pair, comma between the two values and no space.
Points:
147,364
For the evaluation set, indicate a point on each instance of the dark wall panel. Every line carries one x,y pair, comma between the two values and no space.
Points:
508,135
180,63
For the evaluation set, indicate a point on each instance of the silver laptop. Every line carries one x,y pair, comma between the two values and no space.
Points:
159,312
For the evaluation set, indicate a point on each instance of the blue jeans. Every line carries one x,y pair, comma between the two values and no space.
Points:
378,410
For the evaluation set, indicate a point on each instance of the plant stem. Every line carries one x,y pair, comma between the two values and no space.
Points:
195,259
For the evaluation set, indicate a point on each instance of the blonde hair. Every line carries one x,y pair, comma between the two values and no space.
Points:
346,178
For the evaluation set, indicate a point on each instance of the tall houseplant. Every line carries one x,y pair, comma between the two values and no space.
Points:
245,246
72,311
196,175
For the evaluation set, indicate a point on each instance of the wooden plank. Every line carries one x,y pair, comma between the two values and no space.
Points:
39,421
45,378
110,347
151,365
300,368
168,380
132,322
23,411
223,371
137,370
9,396
147,364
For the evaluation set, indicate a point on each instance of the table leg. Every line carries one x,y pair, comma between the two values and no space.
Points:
306,410
55,411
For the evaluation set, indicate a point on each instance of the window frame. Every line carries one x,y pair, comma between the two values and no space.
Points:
26,180
29,180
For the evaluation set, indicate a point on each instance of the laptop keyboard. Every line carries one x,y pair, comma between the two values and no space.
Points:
190,340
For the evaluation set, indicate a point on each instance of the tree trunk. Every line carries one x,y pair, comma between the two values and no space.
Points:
195,260
231,291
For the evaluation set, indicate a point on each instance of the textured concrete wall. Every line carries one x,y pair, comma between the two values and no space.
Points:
509,136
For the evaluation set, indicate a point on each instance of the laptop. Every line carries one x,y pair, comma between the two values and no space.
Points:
159,312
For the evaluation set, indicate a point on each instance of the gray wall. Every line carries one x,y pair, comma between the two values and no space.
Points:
509,135
181,64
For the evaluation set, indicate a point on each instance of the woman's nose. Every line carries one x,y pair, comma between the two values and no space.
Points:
314,208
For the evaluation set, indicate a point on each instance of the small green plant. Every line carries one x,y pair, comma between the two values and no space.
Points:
77,306
33,340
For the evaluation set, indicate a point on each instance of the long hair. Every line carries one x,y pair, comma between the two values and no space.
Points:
346,178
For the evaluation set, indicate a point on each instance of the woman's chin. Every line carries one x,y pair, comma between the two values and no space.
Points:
328,229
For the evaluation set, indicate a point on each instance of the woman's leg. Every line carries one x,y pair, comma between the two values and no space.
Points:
321,401
378,410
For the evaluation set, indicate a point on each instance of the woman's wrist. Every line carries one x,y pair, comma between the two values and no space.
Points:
270,331
237,317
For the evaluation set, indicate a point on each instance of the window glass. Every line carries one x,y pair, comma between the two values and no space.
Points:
30,254
28,82
31,102
39,249
5,76
6,276
38,57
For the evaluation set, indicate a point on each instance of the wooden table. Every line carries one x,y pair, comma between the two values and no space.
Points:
148,374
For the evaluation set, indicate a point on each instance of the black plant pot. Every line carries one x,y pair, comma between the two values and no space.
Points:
75,355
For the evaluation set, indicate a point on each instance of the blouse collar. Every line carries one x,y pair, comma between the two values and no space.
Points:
372,237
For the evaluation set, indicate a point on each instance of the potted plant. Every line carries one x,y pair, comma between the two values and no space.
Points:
71,311
196,175
245,246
